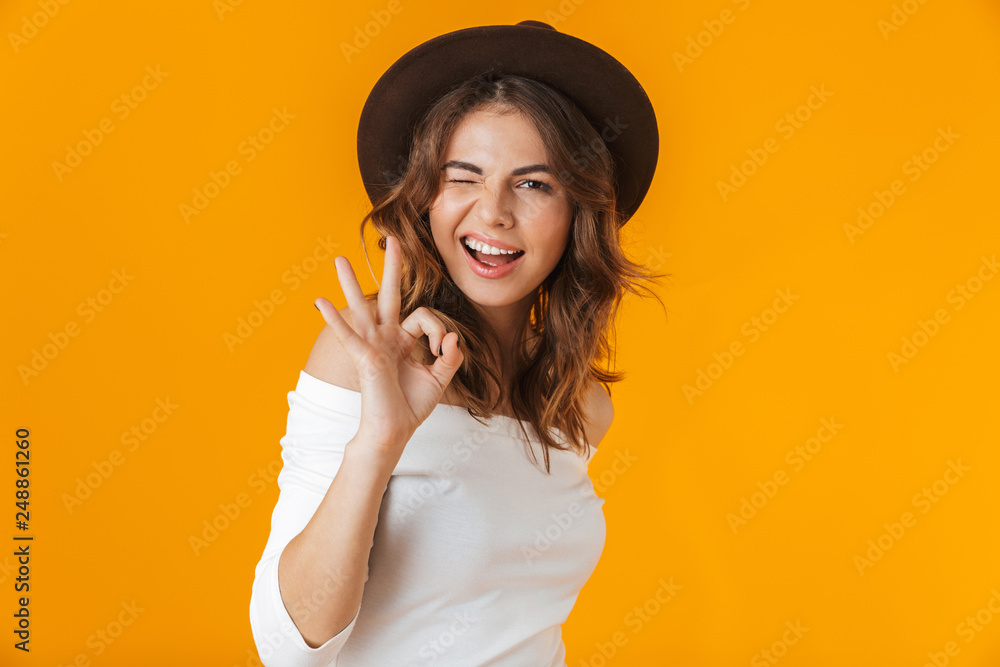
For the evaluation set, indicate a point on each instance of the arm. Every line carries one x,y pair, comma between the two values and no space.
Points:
308,585
309,582
599,411
323,570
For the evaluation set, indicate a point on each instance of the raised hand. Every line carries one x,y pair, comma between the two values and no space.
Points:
397,392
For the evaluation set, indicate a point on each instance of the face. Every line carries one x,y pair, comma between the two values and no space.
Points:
495,186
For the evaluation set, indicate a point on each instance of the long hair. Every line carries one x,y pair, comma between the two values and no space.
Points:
563,343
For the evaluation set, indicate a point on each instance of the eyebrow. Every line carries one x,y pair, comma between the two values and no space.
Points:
520,171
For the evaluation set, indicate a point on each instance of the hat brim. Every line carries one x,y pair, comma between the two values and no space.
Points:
602,88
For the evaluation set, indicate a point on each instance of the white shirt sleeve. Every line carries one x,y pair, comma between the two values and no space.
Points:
312,451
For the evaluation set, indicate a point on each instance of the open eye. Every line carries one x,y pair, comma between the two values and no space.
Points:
539,185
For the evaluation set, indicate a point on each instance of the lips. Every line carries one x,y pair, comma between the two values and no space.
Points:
484,270
490,259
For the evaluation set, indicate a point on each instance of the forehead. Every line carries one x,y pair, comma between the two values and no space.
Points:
497,134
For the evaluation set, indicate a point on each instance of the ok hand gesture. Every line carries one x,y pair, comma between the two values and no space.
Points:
397,392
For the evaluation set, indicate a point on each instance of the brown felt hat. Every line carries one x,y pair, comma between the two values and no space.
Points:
602,88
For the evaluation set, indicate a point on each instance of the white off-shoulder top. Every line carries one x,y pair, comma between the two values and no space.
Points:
478,556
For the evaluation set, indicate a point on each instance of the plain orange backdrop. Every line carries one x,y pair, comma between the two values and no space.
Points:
780,124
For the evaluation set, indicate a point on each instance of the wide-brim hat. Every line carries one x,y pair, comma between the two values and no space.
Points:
601,87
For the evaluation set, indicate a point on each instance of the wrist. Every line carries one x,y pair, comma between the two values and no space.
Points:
377,456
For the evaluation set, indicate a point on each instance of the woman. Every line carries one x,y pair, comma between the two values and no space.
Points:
499,202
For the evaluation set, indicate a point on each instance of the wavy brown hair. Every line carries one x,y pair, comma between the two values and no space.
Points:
565,336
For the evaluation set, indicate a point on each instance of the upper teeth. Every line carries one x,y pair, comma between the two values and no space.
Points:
486,248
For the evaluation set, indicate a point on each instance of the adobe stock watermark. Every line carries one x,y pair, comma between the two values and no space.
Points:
582,157
295,276
59,340
898,17
249,149
795,457
103,638
635,619
561,524
923,500
927,329
7,569
779,648
752,329
329,584
585,154
332,582
230,511
30,25
657,257
462,450
914,167
561,13
364,34
105,468
967,629
223,7
619,466
122,107
787,125
441,480
433,649
714,28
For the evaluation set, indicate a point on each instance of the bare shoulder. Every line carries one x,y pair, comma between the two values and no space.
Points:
329,361
599,411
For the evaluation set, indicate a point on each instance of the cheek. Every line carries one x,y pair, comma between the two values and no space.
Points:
557,232
449,208
441,236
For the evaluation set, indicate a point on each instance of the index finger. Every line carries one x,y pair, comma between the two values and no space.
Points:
349,285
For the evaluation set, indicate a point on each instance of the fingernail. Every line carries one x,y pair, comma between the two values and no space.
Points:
317,308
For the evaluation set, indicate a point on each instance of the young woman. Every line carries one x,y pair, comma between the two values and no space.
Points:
414,522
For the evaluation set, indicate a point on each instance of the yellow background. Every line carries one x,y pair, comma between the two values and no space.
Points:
693,460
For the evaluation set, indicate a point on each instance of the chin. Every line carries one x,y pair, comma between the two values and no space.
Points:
492,298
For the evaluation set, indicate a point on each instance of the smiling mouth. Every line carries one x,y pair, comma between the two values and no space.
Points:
492,260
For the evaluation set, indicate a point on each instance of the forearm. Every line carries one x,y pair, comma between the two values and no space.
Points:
321,572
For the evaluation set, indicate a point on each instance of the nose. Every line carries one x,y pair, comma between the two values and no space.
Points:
494,206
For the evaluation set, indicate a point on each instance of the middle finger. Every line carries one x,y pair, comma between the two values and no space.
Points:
388,294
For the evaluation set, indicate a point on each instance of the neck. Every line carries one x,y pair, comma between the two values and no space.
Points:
506,320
